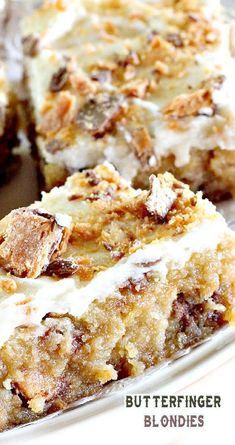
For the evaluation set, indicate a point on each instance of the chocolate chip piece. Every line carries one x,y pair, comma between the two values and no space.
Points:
15,389
55,145
180,308
92,178
107,246
59,80
193,17
216,319
148,263
102,76
31,45
151,35
117,255
136,284
218,81
42,213
175,39
98,115
62,268
131,59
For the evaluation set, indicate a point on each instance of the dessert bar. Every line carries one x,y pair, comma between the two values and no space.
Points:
147,86
100,281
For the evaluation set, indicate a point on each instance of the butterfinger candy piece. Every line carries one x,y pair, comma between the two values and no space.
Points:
29,239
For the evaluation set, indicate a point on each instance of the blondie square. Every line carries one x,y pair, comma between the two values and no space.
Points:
99,281
147,86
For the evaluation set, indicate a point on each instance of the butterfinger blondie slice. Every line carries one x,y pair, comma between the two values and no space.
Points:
147,86
100,281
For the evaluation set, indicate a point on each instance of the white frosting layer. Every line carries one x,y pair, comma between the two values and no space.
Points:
36,297
197,133
52,23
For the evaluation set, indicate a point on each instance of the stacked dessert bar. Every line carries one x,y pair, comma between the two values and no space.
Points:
100,281
148,86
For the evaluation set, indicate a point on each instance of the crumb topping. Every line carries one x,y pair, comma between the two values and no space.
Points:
200,102
109,221
190,105
136,88
8,285
161,196
143,146
112,220
58,114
